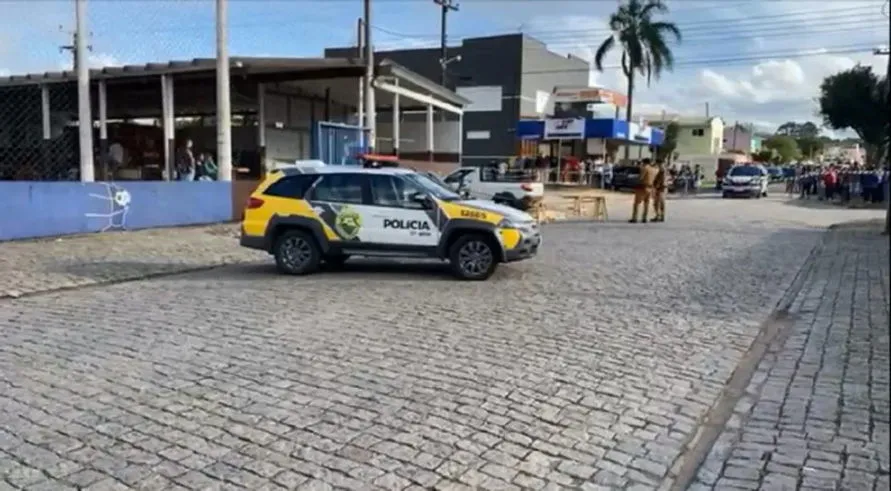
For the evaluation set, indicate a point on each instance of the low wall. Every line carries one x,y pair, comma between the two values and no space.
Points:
44,209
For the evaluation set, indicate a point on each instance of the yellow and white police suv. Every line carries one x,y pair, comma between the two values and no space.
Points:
330,213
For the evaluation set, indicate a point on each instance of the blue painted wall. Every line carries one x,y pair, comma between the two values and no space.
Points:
42,209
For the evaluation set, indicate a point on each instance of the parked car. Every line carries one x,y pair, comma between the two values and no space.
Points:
303,217
514,189
746,180
625,177
775,174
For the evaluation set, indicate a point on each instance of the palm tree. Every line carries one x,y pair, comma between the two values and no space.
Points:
643,41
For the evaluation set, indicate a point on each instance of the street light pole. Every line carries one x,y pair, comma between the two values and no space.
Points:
224,100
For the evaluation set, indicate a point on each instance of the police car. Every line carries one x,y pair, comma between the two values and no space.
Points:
309,215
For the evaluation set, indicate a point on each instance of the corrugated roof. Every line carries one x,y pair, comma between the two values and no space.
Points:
244,65
249,64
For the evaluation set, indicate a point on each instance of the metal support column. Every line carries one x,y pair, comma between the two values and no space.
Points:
261,126
45,112
396,121
167,125
103,129
430,134
461,138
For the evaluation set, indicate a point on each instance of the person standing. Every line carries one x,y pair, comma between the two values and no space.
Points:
185,163
644,191
659,189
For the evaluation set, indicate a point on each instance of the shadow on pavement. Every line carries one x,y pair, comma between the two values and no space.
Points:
359,268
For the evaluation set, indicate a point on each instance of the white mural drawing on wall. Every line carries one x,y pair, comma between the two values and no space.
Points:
118,200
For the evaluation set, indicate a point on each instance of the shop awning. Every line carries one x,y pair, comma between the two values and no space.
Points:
581,129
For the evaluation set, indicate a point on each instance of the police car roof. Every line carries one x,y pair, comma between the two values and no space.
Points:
346,169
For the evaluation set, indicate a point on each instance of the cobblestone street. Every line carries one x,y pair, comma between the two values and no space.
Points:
590,367
816,412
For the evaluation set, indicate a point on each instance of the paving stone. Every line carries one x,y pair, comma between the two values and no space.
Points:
387,374
826,363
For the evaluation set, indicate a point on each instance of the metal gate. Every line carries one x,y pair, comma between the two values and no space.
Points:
338,144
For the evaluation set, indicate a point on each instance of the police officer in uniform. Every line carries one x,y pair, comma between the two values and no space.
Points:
660,185
643,193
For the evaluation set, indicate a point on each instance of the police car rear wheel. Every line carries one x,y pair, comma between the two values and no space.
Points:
296,253
473,258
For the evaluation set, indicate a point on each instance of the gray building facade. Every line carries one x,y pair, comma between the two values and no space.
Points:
522,67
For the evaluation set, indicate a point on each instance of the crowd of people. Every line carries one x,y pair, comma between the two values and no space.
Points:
839,182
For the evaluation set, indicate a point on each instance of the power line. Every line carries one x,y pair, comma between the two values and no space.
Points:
560,44
829,15
740,31
728,61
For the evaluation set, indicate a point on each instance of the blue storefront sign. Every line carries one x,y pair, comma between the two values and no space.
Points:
613,129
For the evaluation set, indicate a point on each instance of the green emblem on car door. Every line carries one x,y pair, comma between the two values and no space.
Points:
348,223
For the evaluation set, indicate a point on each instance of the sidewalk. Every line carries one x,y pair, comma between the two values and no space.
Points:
815,414
51,264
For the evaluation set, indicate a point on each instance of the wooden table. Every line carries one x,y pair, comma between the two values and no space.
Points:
581,201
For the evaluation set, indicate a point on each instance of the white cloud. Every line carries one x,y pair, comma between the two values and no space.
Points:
778,85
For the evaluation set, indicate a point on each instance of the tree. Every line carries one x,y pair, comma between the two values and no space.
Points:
670,143
763,156
810,146
854,99
644,44
799,130
784,148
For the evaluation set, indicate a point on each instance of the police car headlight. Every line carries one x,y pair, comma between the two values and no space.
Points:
507,223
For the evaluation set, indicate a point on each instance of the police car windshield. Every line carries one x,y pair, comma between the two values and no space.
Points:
745,171
432,187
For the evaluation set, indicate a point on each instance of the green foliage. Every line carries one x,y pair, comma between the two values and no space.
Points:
799,130
810,146
784,149
856,99
670,143
763,156
807,135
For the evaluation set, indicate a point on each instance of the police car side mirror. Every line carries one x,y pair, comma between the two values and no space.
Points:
421,199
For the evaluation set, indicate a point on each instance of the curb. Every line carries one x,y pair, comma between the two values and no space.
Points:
776,327
15,294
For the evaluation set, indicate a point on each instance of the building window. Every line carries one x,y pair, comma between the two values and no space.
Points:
698,132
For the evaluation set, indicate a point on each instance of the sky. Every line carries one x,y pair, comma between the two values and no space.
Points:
752,61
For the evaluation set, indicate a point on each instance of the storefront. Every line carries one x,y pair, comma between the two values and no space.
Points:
580,137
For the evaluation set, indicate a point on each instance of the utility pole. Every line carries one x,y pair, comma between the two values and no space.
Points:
84,111
370,104
72,48
447,6
224,101
360,109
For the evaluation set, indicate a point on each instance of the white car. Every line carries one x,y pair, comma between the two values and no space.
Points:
748,180
510,188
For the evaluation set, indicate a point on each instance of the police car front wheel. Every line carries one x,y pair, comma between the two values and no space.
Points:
296,253
472,257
